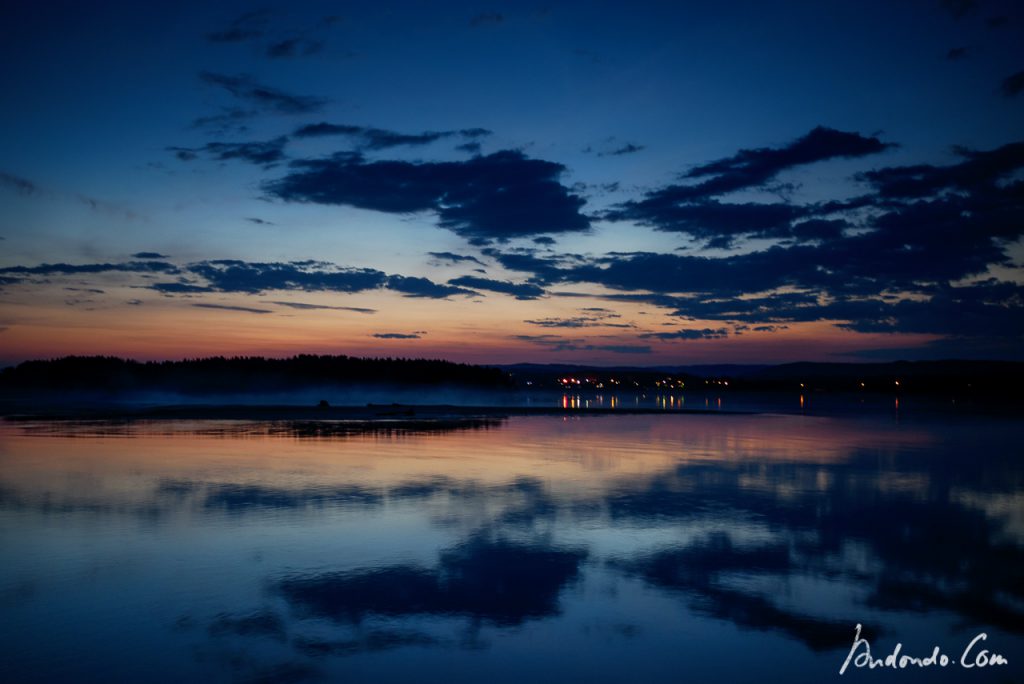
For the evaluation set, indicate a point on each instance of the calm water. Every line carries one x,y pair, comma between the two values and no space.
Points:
674,548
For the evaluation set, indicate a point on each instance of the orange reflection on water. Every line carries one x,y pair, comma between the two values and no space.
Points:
570,455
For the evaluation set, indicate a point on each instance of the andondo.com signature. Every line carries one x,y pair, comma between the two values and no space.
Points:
973,656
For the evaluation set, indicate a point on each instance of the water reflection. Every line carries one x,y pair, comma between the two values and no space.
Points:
261,556
498,581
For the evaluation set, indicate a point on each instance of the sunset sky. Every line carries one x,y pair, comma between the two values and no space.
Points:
641,183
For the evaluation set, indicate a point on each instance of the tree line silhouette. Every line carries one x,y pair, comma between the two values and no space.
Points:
243,374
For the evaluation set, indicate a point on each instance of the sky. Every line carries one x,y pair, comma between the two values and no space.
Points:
630,184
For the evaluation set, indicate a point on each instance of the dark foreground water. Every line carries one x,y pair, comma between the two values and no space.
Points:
675,548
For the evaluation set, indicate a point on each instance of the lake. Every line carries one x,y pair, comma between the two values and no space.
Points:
646,548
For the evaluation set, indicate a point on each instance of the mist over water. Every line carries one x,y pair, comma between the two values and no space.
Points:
615,548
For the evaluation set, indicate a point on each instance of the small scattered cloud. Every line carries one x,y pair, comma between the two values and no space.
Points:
413,286
1013,85
400,336
957,53
517,290
594,317
370,138
294,47
230,120
18,184
264,97
226,307
310,307
453,258
78,269
259,221
180,287
554,343
486,18
265,153
690,334
959,8
26,187
245,27
149,255
628,148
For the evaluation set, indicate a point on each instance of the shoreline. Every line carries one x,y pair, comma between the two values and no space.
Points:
369,413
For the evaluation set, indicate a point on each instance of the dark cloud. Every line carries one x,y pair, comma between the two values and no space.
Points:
232,275
554,343
294,47
229,120
233,35
518,290
692,208
76,269
379,139
753,168
265,153
596,317
310,307
544,240
24,186
979,171
412,286
228,275
455,258
495,197
226,307
957,53
628,148
17,183
893,260
997,21
486,18
259,221
264,97
149,255
470,147
247,26
1013,85
398,336
180,287
690,334
959,8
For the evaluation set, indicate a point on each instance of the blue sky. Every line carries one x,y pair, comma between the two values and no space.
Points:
551,153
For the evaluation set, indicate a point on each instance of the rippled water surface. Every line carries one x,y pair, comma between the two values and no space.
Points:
661,548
